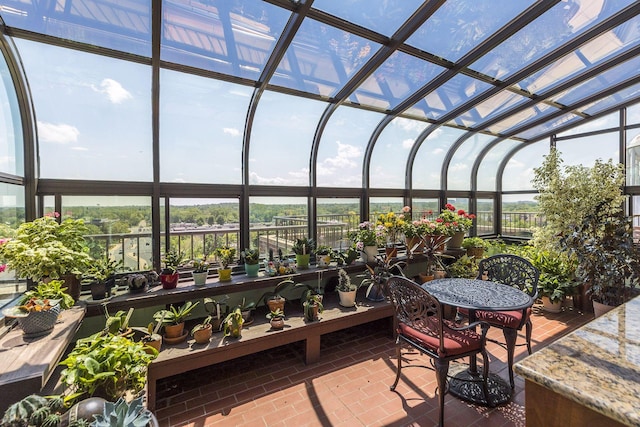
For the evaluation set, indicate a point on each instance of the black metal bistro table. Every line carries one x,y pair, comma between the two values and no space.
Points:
478,295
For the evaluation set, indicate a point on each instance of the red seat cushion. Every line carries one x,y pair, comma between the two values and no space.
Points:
506,319
455,342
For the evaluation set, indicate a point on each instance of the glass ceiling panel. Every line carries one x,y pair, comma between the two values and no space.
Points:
524,116
555,27
389,158
427,166
617,98
617,41
279,155
605,122
448,96
342,147
321,59
609,78
490,108
489,166
230,37
564,120
459,26
123,25
383,17
399,76
459,172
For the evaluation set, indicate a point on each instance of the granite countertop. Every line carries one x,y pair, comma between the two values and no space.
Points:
597,365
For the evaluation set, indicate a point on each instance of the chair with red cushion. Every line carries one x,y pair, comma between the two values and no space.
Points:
514,271
419,323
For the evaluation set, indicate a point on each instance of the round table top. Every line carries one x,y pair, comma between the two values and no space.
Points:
478,294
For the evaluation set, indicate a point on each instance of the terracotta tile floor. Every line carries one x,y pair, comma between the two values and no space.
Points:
348,387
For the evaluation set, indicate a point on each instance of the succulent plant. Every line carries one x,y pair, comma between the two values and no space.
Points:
121,414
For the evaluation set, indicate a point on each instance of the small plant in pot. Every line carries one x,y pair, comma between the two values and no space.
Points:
200,271
169,275
102,277
226,256
274,299
312,306
276,319
475,246
251,260
152,338
347,256
202,331
323,255
232,324
173,321
36,316
53,290
346,289
303,248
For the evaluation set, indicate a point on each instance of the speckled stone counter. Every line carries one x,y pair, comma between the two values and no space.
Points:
596,367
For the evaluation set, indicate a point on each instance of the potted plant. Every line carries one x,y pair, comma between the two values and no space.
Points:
303,248
53,290
36,316
173,321
226,256
463,267
251,258
323,255
347,256
202,331
102,277
152,338
119,322
273,299
200,271
169,274
375,278
117,366
232,324
367,238
475,246
276,319
125,414
392,225
557,275
346,289
312,306
45,249
456,222
216,309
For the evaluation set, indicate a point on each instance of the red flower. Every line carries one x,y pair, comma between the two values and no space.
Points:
472,216
438,219
450,207
461,212
3,267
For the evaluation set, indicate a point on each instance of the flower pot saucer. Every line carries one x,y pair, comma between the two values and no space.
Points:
248,322
176,340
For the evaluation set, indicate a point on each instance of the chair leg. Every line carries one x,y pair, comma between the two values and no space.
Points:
399,366
442,368
485,377
529,328
510,336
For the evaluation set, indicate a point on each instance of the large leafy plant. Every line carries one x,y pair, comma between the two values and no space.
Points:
52,290
107,365
45,248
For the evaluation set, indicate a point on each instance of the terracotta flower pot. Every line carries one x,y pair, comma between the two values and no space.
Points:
277,322
174,331
202,336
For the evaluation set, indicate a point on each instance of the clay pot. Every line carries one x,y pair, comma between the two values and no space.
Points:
174,331
202,336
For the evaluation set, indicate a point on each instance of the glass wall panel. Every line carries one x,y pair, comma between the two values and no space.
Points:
459,26
633,114
11,138
425,208
485,213
342,147
486,179
389,157
616,99
520,215
201,128
633,157
199,226
279,154
635,216
321,59
385,18
585,150
93,112
276,222
518,173
335,218
11,216
547,32
119,227
230,37
121,25
459,172
427,166
383,205
606,122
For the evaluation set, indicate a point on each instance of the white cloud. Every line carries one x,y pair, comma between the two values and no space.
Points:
513,163
409,124
438,150
80,148
232,131
408,143
342,161
458,167
57,133
114,91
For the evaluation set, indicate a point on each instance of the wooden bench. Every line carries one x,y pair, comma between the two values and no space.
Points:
27,363
258,336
